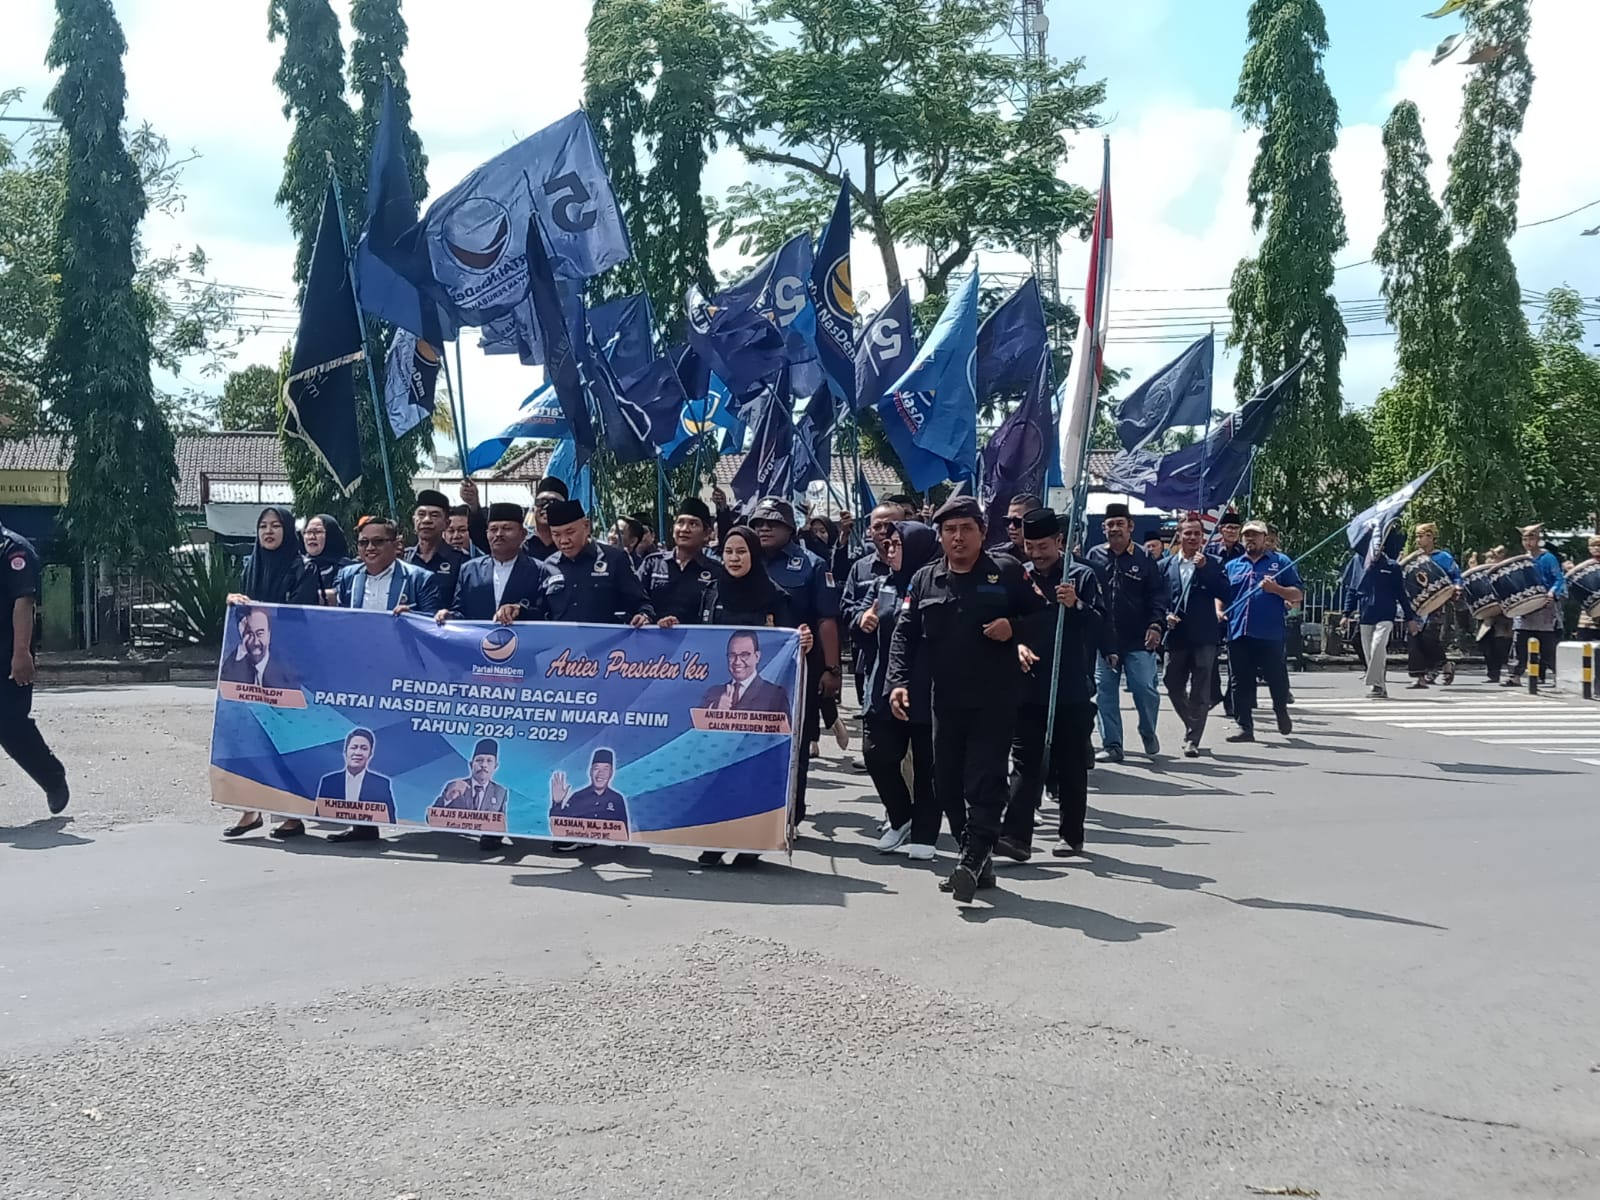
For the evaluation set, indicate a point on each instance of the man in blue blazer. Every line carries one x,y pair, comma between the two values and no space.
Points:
356,782
1197,594
381,582
504,585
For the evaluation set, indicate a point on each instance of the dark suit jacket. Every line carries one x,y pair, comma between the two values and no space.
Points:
760,696
375,789
1209,584
240,670
474,599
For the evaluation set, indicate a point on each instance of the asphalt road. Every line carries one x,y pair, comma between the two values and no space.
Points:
1360,961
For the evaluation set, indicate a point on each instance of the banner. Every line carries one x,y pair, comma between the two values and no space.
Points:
589,733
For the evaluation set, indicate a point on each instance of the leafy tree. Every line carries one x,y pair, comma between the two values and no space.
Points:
250,401
122,494
375,55
1281,299
916,100
1565,423
1484,488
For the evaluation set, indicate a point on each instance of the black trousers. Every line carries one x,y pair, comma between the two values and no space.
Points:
884,749
971,757
1548,639
1252,660
1496,652
21,739
812,723
1067,772
1188,680
1425,653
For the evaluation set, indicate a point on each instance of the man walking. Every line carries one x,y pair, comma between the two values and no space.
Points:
1379,591
1264,585
1197,593
1136,607
19,734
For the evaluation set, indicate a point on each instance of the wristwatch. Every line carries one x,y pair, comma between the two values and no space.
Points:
830,670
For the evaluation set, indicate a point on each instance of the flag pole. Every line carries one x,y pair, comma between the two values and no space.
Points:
361,318
455,416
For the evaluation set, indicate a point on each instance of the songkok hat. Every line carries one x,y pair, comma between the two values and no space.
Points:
693,506
1040,523
504,510
1117,509
1230,518
564,512
607,757
553,483
428,498
486,746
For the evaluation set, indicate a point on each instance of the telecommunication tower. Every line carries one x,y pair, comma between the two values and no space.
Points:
1029,28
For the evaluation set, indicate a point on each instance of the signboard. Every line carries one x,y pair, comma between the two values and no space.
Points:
40,489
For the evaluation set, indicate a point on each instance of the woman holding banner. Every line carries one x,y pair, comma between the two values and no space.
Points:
277,572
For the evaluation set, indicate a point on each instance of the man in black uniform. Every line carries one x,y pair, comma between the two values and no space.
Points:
860,600
19,735
1136,610
1075,588
964,611
432,553
677,580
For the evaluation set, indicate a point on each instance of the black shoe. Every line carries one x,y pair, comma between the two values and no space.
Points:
355,833
1111,754
746,860
58,796
1191,749
709,858
1285,725
289,829
966,880
1065,849
491,843
233,831
1244,735
1013,849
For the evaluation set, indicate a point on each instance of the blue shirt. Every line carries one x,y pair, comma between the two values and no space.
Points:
1447,564
1252,612
1548,567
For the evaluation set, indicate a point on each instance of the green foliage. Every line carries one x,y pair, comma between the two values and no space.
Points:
250,401
1489,428
1282,300
650,88
197,586
917,99
122,498
1560,438
376,53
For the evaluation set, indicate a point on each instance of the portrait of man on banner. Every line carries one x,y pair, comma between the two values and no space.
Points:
357,792
595,813
746,690
252,661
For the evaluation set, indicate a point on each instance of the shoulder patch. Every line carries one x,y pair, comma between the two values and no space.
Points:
995,578
796,563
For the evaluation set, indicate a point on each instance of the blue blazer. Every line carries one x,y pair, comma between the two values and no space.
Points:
412,583
475,589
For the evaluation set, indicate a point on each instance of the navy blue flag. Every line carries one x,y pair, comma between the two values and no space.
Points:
391,235
411,374
768,467
1017,456
739,345
779,289
1132,471
888,344
1009,343
1212,471
693,371
622,330
562,365
1374,522
822,417
1178,394
319,395
933,407
625,423
864,495
833,299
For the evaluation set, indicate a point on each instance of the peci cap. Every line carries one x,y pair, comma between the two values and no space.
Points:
1040,523
693,506
504,510
564,512
1117,509
1230,518
604,756
774,508
554,484
959,508
486,746
428,498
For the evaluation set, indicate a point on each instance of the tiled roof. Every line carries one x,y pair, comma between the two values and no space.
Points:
235,456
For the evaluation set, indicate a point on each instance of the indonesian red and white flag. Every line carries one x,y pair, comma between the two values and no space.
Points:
1088,357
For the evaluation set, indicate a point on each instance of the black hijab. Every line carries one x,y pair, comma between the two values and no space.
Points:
271,576
754,591
919,545
335,549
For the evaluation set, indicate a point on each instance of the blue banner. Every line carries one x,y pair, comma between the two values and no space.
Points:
588,733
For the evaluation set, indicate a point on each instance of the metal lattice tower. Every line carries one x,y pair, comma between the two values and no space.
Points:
1028,28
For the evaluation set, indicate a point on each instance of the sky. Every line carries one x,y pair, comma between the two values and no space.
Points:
484,73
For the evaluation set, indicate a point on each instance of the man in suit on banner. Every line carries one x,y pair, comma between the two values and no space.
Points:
357,784
478,792
254,662
745,690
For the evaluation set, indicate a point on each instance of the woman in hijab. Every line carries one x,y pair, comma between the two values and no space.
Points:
328,550
744,594
913,811
275,573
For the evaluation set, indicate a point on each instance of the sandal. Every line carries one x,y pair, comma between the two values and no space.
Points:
233,831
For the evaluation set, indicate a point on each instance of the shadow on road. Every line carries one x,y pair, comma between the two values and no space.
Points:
769,881
49,834
1002,905
1332,910
1497,769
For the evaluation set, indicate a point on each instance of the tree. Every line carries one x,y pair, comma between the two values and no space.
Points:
1281,299
250,401
1565,423
1484,487
1413,251
122,498
375,55
917,102
650,87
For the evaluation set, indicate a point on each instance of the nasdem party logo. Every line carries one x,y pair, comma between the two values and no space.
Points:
498,646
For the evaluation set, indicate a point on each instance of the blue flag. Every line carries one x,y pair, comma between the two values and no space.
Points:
833,300
622,329
1178,394
539,416
1009,343
738,344
864,496
1017,456
391,235
625,424
410,375
564,465
1375,521
319,394
768,467
563,367
779,289
936,398
888,344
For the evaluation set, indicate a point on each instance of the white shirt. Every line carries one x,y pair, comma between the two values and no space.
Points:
261,669
502,576
376,598
1185,570
352,786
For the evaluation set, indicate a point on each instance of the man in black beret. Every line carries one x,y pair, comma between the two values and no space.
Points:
962,620
1136,610
432,553
678,579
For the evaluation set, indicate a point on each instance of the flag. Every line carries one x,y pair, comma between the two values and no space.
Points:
1009,343
1374,522
622,330
624,423
562,366
1447,47
779,289
319,395
768,467
820,419
1016,458
410,376
738,344
564,465
1083,380
1178,394
887,346
935,401
709,416
833,299
540,416
391,235
864,496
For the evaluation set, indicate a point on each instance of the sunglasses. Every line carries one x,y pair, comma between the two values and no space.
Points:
758,526
1014,522
373,541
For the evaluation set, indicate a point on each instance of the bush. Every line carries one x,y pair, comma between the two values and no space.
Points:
197,592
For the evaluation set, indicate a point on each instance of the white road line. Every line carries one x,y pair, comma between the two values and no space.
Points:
1583,742
1593,762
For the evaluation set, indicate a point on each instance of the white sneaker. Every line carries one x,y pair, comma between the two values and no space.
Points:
920,853
893,838
841,734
